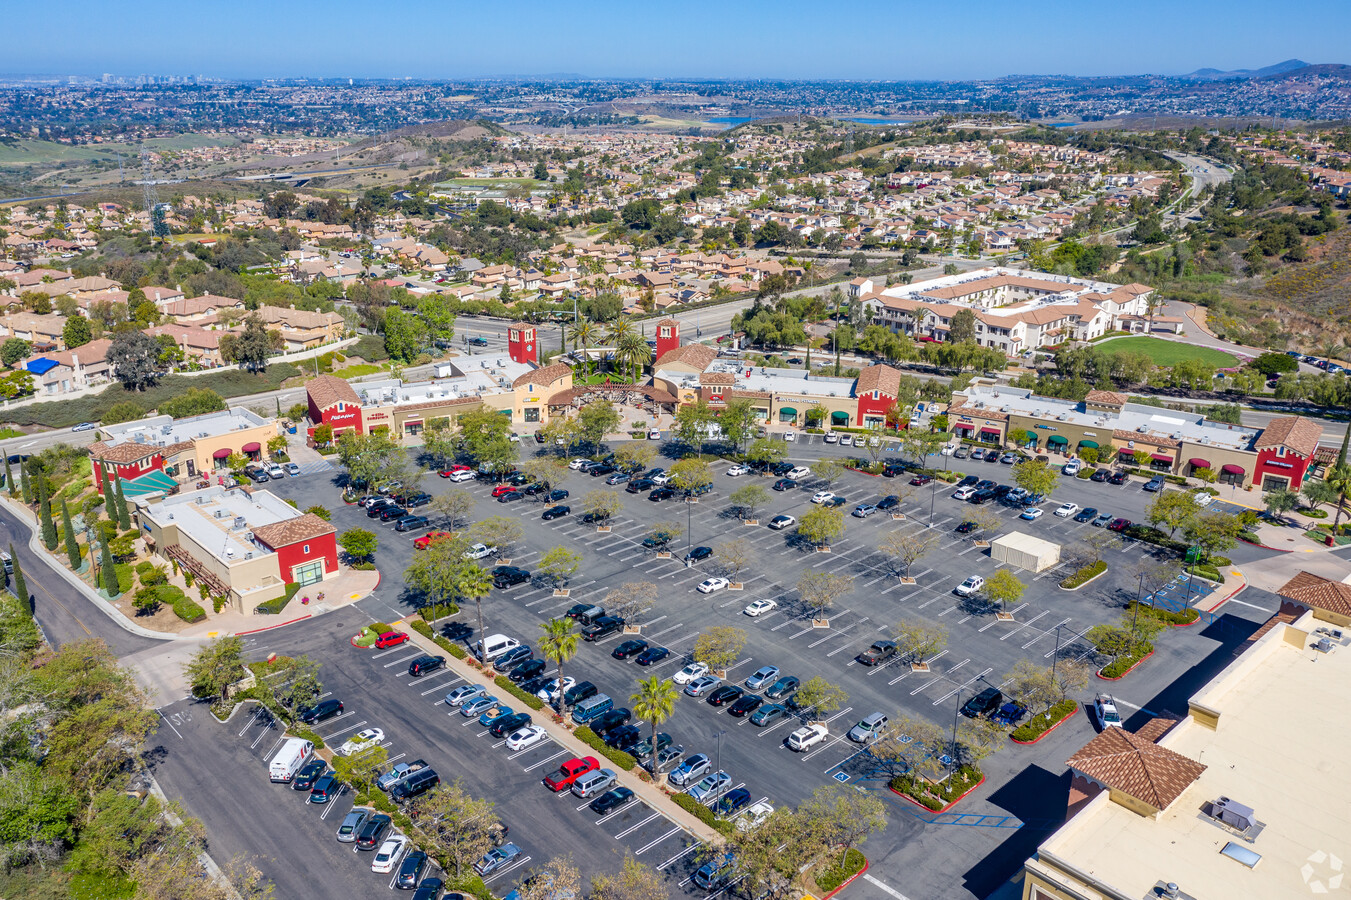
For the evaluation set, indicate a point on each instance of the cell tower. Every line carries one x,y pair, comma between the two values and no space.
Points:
148,182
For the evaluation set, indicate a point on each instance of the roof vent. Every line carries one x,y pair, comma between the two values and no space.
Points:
219,514
1176,435
1143,429
1003,409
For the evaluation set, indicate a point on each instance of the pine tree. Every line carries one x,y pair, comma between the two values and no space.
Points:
123,517
45,514
68,531
9,479
109,571
20,587
23,483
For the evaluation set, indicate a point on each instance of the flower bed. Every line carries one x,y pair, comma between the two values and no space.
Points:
1084,576
1122,666
625,761
1042,724
366,639
831,878
962,782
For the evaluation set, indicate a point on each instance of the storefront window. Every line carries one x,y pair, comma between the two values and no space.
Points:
531,414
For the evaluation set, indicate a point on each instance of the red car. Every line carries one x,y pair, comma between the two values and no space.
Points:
446,473
569,772
1119,525
391,639
430,538
503,489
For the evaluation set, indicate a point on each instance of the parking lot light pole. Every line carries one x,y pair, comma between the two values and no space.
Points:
717,765
1056,656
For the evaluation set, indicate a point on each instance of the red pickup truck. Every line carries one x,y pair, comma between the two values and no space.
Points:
569,772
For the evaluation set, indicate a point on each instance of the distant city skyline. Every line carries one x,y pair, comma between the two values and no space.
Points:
791,40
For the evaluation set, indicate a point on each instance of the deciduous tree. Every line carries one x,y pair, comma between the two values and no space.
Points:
904,549
720,646
215,667
819,590
748,498
821,525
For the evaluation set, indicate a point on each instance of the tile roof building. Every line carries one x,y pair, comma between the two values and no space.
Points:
183,449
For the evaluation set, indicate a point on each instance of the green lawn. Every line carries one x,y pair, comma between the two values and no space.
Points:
357,371
1168,353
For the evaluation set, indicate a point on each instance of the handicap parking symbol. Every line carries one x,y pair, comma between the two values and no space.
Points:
841,777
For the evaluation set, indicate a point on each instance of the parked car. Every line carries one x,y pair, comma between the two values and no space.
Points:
512,658
556,512
524,738
411,523
612,800
1102,520
920,480
745,705
611,720
869,727
373,833
531,668
496,859
725,694
888,503
1104,710
779,523
366,737
431,537
411,870
629,648
971,586
690,673
807,736
765,675
769,714
1155,484
479,551
1099,476
732,802
964,493
424,664
309,773
1087,514
702,685
1032,513
387,857
352,824
652,655
555,495
878,653
758,608
508,724
1117,478
699,554
562,778
690,771
783,687
507,576
710,786
1119,524
785,484
661,493
863,510
822,497
711,585
324,709
984,703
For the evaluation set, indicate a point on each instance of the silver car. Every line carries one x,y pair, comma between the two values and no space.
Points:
352,824
477,706
868,728
763,676
464,693
690,770
702,685
711,786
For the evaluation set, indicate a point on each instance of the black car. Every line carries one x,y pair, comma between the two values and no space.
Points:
538,487
602,469
506,576
781,469
1087,515
662,493
732,803
373,832
505,725
414,501
556,512
324,709
984,703
373,511
524,671
1100,476
409,523
651,655
1002,490
638,485
745,705
698,554
390,513
891,501
518,479
657,541
577,610
513,658
599,517
725,694
611,720
629,648
624,737
477,341
309,774
536,684
984,496
1117,478
583,690
555,495
424,664
968,481
410,870
602,628
511,497
431,888
612,800
785,484
967,527
644,747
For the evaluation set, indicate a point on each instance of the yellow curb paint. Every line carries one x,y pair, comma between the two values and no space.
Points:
353,596
212,633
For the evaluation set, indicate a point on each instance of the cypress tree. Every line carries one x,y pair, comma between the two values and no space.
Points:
68,530
9,479
104,488
20,587
1341,454
109,571
123,517
45,514
26,487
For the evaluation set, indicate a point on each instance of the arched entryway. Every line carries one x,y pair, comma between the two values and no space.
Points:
839,420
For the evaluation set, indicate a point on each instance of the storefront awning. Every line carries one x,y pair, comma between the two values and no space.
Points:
989,429
1093,444
1057,439
1197,463
147,483
222,453
1159,457
839,417
1231,469
787,410
253,447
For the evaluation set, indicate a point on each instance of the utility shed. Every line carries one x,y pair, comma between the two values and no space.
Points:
1025,551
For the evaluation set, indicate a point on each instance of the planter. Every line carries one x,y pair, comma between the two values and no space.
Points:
562,592
907,580
822,549
736,586
1047,731
1127,672
919,667
984,545
750,521
820,623
1004,616
692,500
848,881
898,517
602,529
633,629
663,554
504,562
938,812
1084,584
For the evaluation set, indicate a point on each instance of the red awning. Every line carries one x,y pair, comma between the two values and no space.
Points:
1195,462
222,453
1233,470
252,448
1159,457
989,430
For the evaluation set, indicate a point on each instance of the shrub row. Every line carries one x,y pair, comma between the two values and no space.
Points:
625,761
1167,616
1206,571
1122,664
1151,535
1041,723
308,735
514,690
918,789
426,631
1093,570
702,813
277,604
831,877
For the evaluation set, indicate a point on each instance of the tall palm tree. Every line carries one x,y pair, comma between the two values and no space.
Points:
634,353
1339,477
473,582
586,332
654,702
558,644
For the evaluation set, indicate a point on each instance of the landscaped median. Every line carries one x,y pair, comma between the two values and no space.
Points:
830,880
921,791
624,760
1042,724
1176,618
370,634
1084,576
703,813
1122,666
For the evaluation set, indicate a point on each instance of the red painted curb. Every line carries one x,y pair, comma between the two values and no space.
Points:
1240,589
938,812
1128,671
1265,547
848,881
1071,715
278,625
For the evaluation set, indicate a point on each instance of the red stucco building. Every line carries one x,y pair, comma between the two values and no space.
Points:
333,402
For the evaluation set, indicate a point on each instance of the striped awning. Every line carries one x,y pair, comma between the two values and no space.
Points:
147,484
1057,439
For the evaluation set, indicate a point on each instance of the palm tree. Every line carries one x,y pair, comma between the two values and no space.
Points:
634,353
474,583
1339,477
586,332
558,644
654,702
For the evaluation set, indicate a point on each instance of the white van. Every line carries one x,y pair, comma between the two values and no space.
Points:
1070,468
292,755
496,645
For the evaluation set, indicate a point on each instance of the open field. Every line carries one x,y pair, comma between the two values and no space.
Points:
494,183
1168,353
31,153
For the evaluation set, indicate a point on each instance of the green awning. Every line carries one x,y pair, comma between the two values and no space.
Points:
147,484
787,410
1057,439
839,417
1093,444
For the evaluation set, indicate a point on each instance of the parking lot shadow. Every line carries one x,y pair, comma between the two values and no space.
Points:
1038,798
1230,632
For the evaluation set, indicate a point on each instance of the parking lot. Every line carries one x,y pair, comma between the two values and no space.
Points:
980,650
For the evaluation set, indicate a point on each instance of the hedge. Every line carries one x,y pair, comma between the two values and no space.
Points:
433,611
702,813
1041,723
1122,664
308,735
1151,535
1168,616
1082,576
1206,571
277,604
426,631
185,608
625,761
514,690
832,877
962,780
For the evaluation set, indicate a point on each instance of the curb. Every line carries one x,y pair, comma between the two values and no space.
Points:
1127,672
1071,715
850,880
278,625
1240,589
1265,547
1080,587
939,812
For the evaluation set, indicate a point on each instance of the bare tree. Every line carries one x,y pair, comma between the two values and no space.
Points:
919,641
904,550
819,590
733,557
631,600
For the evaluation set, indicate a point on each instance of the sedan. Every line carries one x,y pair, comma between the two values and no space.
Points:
464,693
758,608
387,857
551,690
492,715
755,816
702,685
310,773
785,484
891,501
822,497
783,687
652,655
690,673
1032,513
710,787
578,464
733,803
362,739
1117,478
967,527
506,725
1086,515
612,799
531,668
497,859
617,478
629,648
511,497
710,585
430,538
661,493
555,495
723,695
1119,524
503,489
745,705
410,873
529,736
512,658
1099,476
555,512
478,706
762,676
1102,520
699,554
292,469
690,770
768,715
1065,510
920,480
779,523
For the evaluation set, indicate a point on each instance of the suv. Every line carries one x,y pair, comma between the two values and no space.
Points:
602,627
424,664
878,653
506,576
984,703
1155,484
373,833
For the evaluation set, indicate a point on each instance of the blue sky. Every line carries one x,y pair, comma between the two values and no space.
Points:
855,39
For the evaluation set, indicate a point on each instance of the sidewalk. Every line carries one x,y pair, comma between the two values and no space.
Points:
649,792
344,589
1291,538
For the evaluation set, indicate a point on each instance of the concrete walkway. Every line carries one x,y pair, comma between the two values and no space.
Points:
342,590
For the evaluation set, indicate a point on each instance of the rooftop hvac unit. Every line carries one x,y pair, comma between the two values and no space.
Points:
1143,429
248,554
167,429
249,537
1062,417
201,434
201,501
219,514
1003,409
240,522
1205,439
1232,813
1176,435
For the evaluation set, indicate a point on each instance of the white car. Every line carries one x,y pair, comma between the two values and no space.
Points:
948,449
822,497
754,816
654,435
971,586
85,426
710,585
689,673
798,472
1032,513
1070,468
830,437
759,608
846,440
738,469
1104,710
275,471
779,523
965,493
789,436
479,551
525,737
1065,510
1202,498
578,463
462,475
389,854
552,689
362,739
661,478
807,736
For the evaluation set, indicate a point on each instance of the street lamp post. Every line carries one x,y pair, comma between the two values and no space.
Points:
1056,656
717,766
